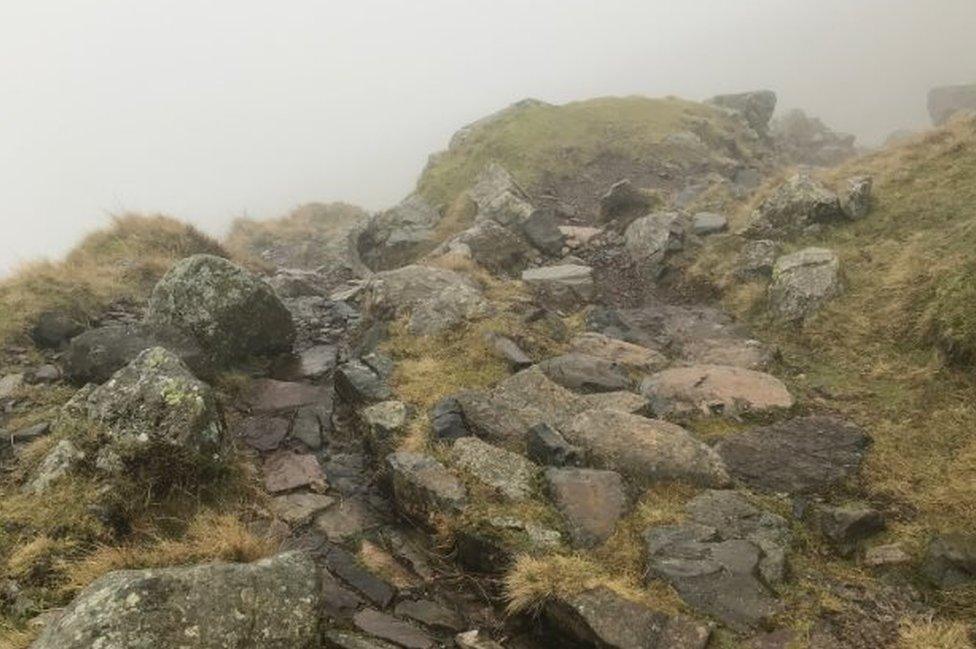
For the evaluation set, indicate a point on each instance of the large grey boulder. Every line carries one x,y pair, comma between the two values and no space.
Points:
803,282
950,560
568,286
433,298
600,617
271,604
946,101
399,235
645,450
795,205
584,373
802,455
714,390
650,238
624,202
755,107
231,313
500,250
155,405
507,473
542,231
94,356
52,329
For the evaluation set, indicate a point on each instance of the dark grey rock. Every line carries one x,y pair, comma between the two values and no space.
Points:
52,329
344,565
24,435
757,257
590,501
338,639
624,202
42,374
845,527
270,395
311,364
546,446
509,474
542,231
755,107
856,198
798,203
307,426
447,420
94,356
802,455
382,424
389,628
508,350
399,235
202,604
262,433
358,383
423,488
430,614
950,560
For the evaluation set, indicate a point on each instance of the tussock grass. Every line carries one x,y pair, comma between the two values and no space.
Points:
934,634
120,263
538,140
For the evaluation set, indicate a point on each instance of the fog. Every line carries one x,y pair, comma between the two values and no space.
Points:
211,109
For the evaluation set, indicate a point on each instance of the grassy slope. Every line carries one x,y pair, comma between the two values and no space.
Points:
122,262
894,352
562,140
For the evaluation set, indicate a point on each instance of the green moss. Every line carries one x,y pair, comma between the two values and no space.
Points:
540,139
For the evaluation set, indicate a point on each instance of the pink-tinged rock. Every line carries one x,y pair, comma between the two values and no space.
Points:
714,389
286,470
268,395
263,433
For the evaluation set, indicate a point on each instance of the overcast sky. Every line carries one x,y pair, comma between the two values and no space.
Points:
210,109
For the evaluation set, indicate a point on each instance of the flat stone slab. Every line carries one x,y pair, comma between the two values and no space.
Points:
285,470
423,488
801,455
263,433
587,374
630,357
590,501
390,628
268,395
430,614
298,508
714,390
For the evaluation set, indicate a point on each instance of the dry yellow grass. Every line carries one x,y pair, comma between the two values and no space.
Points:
121,262
935,634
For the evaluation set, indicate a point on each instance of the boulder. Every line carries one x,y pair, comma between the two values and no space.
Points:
57,463
590,501
499,197
400,235
600,617
507,473
295,282
10,384
382,423
583,373
500,250
756,258
706,223
798,203
806,140
272,603
508,350
645,450
568,286
542,231
547,447
627,356
423,489
946,101
625,202
803,282
950,560
447,420
714,390
53,329
356,382
231,313
801,455
650,238
155,404
299,508
856,198
434,299
755,107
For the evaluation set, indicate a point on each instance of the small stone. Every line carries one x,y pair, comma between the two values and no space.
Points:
389,628
430,614
286,470
57,463
844,527
475,639
547,447
43,374
856,200
590,501
263,433
506,349
447,420
541,228
508,473
706,223
298,508
886,555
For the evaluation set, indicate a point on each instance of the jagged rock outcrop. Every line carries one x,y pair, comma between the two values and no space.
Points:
273,604
400,235
231,313
946,101
755,107
568,286
807,140
649,239
803,282
798,203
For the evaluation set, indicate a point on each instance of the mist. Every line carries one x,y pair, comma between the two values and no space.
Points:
210,110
